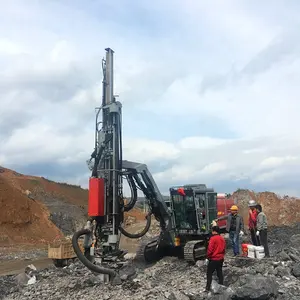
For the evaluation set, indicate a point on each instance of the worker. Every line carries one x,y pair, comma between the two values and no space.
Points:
215,257
235,228
262,229
252,221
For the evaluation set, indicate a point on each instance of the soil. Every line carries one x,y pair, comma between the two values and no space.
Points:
280,211
23,220
28,202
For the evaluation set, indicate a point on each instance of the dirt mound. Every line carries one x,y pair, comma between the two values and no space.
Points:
279,210
23,220
35,209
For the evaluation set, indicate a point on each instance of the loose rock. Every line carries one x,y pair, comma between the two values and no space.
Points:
255,287
170,278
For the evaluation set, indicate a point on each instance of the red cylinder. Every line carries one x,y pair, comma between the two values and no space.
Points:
96,197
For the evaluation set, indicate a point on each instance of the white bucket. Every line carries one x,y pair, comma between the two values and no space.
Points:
251,251
259,252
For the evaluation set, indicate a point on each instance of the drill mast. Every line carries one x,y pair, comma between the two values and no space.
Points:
108,157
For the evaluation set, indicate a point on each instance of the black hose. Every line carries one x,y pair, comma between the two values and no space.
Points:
97,159
99,156
140,234
133,189
84,260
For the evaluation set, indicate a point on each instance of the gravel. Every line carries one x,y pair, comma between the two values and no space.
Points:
170,278
21,254
66,216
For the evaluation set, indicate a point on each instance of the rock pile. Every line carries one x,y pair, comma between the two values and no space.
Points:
170,278
173,279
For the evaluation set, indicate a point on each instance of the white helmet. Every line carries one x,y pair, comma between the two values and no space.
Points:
252,203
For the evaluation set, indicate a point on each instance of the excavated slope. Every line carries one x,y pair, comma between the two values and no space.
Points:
34,209
23,220
37,210
279,210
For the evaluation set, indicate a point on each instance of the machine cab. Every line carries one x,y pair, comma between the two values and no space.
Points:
194,207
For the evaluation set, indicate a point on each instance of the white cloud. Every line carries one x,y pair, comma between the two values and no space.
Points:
37,143
149,150
266,104
201,142
230,162
214,168
63,52
272,162
233,20
8,47
214,87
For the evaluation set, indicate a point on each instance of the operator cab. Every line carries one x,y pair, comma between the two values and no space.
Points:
194,208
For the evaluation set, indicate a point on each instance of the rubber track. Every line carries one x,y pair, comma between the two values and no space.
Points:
140,254
188,251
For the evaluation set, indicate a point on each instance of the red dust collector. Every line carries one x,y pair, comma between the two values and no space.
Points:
96,197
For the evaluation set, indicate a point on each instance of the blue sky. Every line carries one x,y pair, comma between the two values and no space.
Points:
210,90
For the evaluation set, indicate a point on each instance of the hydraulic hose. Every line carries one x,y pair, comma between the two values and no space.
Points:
140,234
133,189
84,260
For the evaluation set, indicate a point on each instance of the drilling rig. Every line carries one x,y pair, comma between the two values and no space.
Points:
106,205
184,223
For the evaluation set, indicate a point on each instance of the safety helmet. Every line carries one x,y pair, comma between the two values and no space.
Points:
252,203
234,208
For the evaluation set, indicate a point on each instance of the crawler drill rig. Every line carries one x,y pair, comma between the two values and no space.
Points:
106,205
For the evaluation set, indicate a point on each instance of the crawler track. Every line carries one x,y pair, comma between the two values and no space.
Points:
194,250
147,251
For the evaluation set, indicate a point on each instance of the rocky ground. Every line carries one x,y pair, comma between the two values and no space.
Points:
170,278
67,216
7,254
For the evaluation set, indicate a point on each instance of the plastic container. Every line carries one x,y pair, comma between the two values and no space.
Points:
251,251
259,252
245,249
